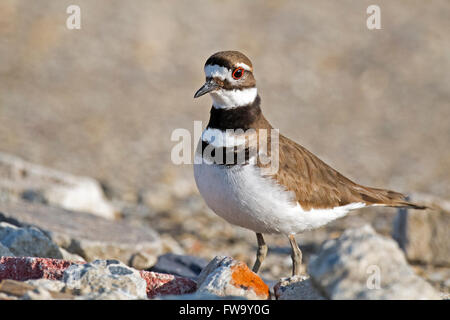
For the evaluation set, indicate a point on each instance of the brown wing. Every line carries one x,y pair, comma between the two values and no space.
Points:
317,185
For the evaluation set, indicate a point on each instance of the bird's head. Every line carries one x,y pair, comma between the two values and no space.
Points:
229,80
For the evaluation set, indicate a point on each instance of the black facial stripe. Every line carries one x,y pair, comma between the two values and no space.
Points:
237,118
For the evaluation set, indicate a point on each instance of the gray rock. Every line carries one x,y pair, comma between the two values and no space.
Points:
296,288
224,276
179,265
89,236
4,251
28,242
361,264
105,280
424,235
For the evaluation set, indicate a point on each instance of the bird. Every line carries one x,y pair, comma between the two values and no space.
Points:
300,193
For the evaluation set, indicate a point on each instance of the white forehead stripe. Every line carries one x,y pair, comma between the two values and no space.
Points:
229,99
244,66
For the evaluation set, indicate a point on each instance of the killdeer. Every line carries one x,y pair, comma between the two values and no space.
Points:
304,193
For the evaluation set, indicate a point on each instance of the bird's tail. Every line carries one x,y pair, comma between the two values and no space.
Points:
387,198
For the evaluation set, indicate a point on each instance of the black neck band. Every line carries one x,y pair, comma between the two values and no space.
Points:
237,118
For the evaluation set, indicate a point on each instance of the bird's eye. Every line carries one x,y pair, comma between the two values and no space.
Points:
238,73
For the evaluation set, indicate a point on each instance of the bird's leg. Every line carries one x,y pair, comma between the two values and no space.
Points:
261,253
296,255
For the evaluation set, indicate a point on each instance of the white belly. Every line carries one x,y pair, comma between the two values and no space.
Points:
240,195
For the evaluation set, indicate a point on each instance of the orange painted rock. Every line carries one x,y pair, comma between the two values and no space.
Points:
224,276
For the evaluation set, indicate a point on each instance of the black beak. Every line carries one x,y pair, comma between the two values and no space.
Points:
209,86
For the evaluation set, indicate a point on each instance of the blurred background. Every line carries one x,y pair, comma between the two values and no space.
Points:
103,101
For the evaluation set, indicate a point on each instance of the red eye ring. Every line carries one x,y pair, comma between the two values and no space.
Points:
238,73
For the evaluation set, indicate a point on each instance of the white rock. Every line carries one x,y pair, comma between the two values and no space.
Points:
55,187
105,280
81,194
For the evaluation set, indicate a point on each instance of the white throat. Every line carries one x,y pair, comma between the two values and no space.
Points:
229,99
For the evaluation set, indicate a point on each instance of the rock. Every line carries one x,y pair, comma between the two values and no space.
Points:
424,235
33,182
89,236
361,264
43,294
28,241
27,268
296,288
180,265
224,276
15,288
99,275
33,290
105,280
4,251
10,220
141,260
159,284
47,284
